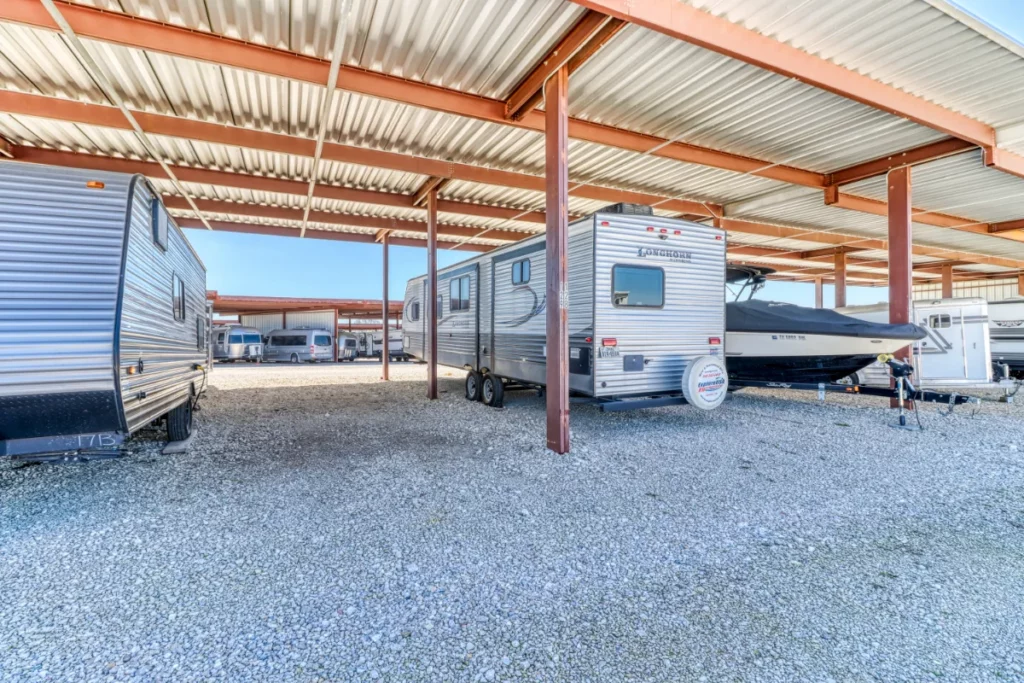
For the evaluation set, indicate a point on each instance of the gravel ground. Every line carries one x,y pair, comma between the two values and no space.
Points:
328,527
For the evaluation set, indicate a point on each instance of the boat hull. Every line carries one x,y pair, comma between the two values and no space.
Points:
773,357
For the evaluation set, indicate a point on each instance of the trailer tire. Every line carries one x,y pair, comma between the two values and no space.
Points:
493,391
179,421
473,380
295,358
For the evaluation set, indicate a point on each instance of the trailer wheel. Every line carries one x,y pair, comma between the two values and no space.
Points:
473,385
295,358
179,421
493,391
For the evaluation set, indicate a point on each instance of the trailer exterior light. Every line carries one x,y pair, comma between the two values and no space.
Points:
589,339
678,232
650,229
605,224
609,341
664,231
95,185
715,341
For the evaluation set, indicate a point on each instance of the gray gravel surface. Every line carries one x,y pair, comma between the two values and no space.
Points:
329,527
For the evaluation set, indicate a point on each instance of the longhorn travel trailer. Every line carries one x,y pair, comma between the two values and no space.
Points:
646,307
103,319
1006,332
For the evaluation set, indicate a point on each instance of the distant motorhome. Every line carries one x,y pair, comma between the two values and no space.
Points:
112,328
348,347
299,345
233,343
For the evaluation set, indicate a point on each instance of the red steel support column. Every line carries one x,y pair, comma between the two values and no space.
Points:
431,302
947,282
334,335
384,315
556,173
901,291
819,293
1020,284
840,280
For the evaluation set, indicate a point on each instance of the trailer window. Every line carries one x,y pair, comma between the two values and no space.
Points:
939,321
220,338
236,339
521,272
440,306
159,224
414,311
639,286
178,297
253,339
200,332
458,290
321,340
287,340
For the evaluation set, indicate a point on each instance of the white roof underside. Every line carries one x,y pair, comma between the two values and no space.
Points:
640,81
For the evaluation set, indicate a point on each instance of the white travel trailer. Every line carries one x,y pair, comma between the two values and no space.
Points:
1006,331
103,317
955,354
646,307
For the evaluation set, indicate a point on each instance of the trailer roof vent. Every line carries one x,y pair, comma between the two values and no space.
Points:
629,209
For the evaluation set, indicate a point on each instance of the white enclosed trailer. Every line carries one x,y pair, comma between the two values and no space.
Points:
646,302
955,354
103,316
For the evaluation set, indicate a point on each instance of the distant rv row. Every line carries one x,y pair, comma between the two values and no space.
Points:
238,343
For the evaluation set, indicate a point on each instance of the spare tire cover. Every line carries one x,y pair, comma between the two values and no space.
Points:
705,382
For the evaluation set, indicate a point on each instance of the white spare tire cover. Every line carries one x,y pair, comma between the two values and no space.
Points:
705,382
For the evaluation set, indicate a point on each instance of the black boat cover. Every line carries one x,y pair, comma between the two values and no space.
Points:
774,316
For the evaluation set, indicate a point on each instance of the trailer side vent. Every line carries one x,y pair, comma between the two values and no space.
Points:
628,209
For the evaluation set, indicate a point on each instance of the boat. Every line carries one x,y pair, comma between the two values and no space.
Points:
771,341
1006,333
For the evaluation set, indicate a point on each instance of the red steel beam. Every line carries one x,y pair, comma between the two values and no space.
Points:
1020,284
283,231
556,171
341,219
688,23
147,34
901,290
430,305
827,251
6,148
840,279
786,232
215,133
433,183
585,28
878,208
908,157
1006,226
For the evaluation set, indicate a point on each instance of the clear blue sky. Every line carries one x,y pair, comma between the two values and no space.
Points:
285,266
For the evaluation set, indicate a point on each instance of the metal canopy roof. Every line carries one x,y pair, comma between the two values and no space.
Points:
348,308
777,119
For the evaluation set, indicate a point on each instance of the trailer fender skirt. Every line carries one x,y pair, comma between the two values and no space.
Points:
705,382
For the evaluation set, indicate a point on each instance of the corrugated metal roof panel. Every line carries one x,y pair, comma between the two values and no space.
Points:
910,44
652,83
479,46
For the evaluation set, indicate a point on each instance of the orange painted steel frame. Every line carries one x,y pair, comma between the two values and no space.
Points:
430,305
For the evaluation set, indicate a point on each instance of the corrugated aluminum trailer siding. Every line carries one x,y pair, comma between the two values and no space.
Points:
264,322
167,347
694,305
457,330
520,310
60,264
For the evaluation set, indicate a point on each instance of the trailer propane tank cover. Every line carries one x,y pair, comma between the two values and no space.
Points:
705,382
